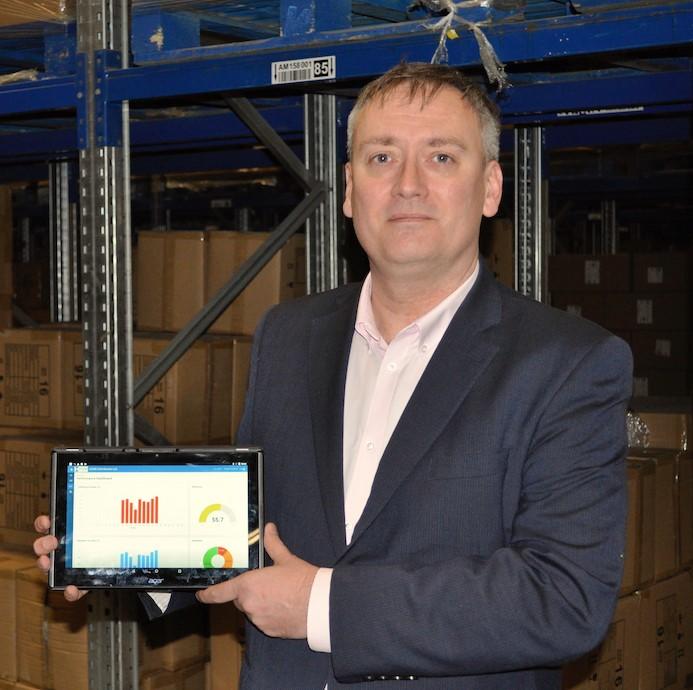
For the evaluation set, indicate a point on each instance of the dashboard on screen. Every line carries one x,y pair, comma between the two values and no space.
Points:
155,517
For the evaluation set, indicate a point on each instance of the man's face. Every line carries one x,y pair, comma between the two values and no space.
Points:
418,184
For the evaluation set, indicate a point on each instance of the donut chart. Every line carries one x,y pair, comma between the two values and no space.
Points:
217,557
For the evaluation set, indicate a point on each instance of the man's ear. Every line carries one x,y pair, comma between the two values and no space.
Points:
346,206
494,188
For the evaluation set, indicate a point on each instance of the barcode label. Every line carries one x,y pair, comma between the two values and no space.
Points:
309,69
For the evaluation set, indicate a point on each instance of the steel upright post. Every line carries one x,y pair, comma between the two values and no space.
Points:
104,200
322,228
64,244
529,212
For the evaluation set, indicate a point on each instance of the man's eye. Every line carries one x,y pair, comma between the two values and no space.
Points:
381,158
442,158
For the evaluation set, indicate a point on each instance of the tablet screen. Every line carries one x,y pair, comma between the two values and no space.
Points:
143,518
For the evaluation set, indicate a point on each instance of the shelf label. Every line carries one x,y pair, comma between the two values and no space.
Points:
308,69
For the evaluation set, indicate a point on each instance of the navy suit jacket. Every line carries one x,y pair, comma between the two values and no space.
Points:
490,549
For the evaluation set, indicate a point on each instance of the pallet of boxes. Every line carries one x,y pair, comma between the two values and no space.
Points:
649,644
644,298
43,640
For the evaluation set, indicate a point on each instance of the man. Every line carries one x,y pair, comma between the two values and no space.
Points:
444,457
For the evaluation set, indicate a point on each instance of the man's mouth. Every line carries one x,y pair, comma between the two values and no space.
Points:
408,217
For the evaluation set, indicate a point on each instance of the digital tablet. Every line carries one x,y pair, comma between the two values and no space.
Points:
145,518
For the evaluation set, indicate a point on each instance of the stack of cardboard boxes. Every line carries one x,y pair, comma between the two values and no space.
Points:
649,645
43,640
44,644
643,298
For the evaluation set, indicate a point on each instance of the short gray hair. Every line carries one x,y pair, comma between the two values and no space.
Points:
427,79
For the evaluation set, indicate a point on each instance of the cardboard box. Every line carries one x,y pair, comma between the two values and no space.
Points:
5,241
283,278
28,608
32,288
36,372
667,311
192,403
175,641
688,629
226,629
190,678
668,429
199,400
614,664
25,484
239,380
685,509
10,563
662,271
67,642
171,274
639,557
666,510
661,349
6,320
26,11
178,272
585,304
661,382
662,647
32,646
592,273
497,243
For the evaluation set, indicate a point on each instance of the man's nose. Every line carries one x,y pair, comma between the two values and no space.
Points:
410,181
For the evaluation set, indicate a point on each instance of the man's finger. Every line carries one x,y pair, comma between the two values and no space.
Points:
43,546
218,594
43,563
42,524
275,547
74,594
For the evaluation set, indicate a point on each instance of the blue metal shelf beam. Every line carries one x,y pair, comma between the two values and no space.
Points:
33,96
247,65
602,96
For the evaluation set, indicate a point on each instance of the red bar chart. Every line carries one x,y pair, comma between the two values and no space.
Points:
143,512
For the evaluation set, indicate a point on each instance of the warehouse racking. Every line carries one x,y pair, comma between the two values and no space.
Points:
101,81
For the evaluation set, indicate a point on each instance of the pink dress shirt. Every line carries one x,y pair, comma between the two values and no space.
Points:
380,380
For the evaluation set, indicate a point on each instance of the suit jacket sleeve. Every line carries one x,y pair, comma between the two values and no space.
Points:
547,595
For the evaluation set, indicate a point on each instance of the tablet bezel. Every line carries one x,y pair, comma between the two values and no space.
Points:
150,578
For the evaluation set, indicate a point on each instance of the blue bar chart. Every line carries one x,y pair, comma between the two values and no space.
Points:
144,560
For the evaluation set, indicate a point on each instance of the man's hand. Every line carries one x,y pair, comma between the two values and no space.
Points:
43,547
275,598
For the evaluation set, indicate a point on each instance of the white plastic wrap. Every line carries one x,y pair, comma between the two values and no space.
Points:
638,431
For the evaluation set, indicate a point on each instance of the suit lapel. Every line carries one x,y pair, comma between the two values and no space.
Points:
330,342
462,351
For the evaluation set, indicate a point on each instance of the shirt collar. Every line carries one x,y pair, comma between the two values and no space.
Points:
431,325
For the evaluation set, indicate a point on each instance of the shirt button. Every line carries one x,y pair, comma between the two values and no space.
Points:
424,348
392,366
370,445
